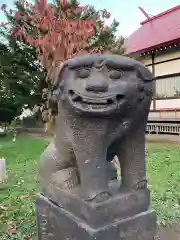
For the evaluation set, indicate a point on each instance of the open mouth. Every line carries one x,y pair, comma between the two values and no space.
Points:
95,104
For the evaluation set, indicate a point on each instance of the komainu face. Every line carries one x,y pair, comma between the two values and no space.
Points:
99,84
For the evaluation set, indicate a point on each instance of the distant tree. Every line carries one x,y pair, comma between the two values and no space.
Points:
60,31
21,81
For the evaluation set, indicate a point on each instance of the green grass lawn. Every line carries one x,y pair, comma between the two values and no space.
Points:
17,221
22,158
164,181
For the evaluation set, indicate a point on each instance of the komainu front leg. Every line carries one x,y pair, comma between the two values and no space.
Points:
59,166
48,161
132,160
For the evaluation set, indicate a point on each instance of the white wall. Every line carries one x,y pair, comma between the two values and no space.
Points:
167,68
166,104
163,68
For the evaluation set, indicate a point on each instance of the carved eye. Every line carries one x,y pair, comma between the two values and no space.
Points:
83,73
115,74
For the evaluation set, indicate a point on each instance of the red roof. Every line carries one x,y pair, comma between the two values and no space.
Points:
156,31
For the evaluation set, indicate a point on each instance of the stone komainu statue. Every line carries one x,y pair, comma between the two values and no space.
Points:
103,104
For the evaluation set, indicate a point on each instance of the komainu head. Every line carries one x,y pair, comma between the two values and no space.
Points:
101,85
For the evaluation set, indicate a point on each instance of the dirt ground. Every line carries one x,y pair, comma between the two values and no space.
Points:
154,138
163,138
169,233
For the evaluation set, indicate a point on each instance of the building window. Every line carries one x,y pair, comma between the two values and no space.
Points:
168,87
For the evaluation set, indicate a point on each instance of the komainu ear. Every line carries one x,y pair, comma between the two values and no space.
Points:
144,74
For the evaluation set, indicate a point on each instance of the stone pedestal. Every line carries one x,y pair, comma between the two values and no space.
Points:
55,223
64,215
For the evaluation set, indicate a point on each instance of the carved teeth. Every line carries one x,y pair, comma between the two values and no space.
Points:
100,106
94,101
92,104
76,97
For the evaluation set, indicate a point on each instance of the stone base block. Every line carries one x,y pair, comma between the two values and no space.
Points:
55,223
120,205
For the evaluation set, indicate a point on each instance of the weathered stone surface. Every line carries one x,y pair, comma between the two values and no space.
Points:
56,223
100,214
103,103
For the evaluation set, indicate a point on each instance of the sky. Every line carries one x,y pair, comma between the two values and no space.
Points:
126,12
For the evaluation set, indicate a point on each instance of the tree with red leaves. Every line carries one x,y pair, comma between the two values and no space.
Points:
61,30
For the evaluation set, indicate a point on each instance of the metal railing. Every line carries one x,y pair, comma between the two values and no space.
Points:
168,128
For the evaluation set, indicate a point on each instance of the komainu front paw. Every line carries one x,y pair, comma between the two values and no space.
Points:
101,197
66,178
